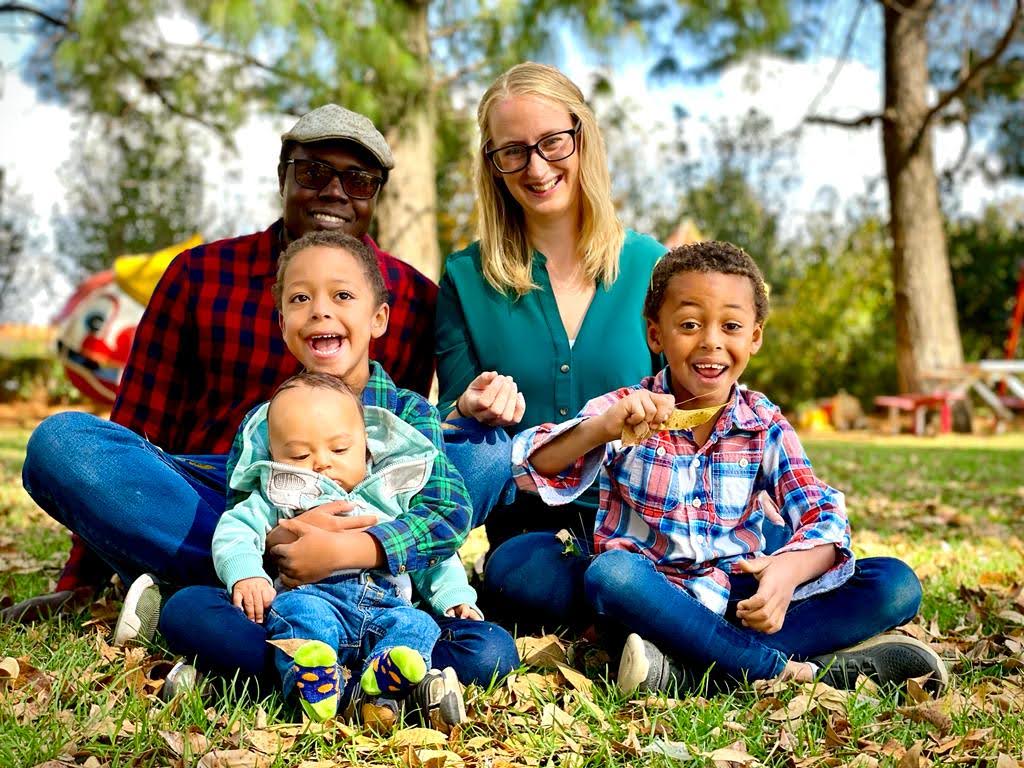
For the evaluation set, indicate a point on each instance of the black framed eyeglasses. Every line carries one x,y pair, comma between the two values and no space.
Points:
553,147
313,174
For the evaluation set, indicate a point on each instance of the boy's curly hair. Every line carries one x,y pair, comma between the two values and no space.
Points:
708,256
331,239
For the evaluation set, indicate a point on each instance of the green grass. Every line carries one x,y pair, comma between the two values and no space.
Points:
953,508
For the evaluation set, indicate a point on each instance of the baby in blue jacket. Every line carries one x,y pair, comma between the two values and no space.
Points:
325,446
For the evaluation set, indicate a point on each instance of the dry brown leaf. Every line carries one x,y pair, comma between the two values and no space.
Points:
912,757
863,761
545,652
730,755
928,713
576,679
9,671
797,707
418,737
439,758
1005,761
232,758
552,715
289,645
195,741
268,741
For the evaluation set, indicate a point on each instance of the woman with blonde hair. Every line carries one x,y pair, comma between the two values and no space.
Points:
540,315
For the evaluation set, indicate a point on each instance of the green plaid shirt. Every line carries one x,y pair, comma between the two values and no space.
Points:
438,518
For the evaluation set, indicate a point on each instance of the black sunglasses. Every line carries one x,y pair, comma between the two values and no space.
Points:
312,174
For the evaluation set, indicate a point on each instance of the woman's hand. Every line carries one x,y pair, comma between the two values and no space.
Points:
492,399
254,596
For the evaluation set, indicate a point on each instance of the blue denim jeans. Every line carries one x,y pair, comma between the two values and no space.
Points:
142,510
359,614
625,589
201,623
483,456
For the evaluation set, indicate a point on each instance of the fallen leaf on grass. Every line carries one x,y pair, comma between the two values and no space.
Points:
552,715
197,742
674,750
438,758
418,737
9,671
269,742
580,682
930,713
232,758
545,652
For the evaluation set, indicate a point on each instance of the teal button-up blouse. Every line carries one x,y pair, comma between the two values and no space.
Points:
480,329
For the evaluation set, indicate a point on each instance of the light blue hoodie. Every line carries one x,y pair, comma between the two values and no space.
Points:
399,465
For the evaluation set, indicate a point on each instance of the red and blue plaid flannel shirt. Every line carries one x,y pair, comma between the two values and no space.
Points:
209,347
696,510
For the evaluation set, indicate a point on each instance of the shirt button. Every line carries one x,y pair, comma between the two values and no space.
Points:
401,569
697,502
661,450
563,411
695,463
743,462
564,368
432,561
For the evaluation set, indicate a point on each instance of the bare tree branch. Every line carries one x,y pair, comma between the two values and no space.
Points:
37,12
458,74
863,121
843,54
973,74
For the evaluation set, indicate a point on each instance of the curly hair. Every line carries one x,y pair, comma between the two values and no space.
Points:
708,256
328,239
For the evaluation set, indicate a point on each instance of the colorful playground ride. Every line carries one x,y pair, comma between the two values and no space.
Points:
97,324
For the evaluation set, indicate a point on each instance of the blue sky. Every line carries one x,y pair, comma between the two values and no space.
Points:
36,138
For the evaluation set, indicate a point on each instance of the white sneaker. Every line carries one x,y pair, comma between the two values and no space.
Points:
140,612
644,667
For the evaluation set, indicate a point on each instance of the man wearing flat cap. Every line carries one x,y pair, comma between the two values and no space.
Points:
207,350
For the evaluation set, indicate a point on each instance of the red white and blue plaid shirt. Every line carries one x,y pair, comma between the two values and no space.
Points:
209,347
696,510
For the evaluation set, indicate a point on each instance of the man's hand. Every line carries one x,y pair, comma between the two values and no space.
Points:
493,399
638,407
464,611
765,610
254,596
332,516
316,554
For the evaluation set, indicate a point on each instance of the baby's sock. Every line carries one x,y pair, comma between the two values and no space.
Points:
316,679
393,672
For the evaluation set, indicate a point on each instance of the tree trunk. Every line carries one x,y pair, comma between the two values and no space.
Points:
927,333
407,211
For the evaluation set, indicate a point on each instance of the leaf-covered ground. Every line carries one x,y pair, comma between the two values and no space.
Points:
953,508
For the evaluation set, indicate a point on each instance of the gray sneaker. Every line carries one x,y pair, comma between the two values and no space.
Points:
643,667
437,700
182,677
140,613
888,660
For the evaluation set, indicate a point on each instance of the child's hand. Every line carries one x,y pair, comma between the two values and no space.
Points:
254,596
464,611
639,406
765,610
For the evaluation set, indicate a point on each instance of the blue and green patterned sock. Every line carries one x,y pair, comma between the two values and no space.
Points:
393,672
316,679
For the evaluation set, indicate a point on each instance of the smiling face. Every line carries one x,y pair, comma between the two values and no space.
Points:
310,210
321,430
544,190
707,328
330,312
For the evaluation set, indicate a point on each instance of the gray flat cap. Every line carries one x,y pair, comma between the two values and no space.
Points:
333,122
